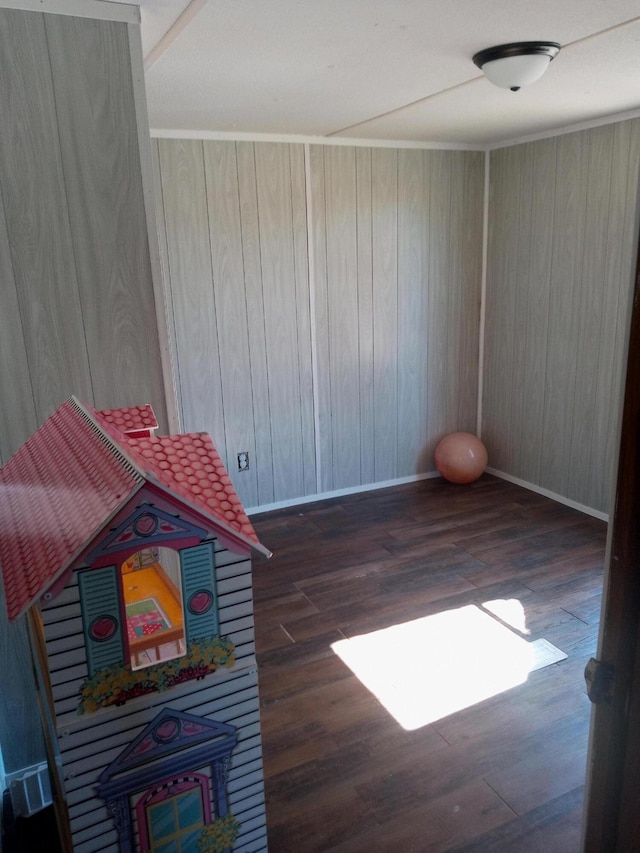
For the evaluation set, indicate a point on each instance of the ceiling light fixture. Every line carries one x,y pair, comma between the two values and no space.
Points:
512,66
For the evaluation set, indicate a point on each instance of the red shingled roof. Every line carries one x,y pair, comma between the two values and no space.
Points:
190,467
59,487
131,420
68,480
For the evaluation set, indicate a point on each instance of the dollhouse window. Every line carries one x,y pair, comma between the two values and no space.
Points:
152,595
148,608
171,815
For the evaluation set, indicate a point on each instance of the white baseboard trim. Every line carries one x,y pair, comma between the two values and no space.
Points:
338,493
371,487
603,516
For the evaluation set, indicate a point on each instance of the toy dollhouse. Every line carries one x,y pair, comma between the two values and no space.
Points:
130,554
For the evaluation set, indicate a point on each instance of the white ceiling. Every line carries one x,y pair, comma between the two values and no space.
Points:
383,69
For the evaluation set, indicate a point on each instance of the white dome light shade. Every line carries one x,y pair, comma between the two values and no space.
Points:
512,66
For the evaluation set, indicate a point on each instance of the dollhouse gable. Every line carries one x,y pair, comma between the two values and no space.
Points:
157,774
79,476
171,732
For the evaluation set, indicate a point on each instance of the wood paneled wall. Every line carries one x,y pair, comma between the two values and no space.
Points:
562,231
326,312
78,312
234,230
397,249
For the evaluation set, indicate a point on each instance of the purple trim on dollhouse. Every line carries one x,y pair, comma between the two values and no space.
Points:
231,539
147,525
220,739
148,775
170,738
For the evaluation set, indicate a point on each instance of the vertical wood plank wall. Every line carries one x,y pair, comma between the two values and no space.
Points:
78,313
391,301
235,225
562,231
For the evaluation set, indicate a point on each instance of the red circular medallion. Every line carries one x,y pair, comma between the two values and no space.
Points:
200,602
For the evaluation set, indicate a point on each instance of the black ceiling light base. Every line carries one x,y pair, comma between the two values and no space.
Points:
517,64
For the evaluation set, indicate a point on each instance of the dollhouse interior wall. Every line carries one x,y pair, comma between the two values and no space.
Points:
350,273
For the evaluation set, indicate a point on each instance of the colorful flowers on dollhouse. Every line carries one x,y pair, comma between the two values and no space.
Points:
115,684
219,835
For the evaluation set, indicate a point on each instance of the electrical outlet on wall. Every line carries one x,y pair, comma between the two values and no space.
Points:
243,460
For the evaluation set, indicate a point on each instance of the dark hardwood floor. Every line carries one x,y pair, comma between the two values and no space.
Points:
506,774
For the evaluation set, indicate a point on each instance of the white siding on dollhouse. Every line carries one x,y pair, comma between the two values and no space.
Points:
65,639
88,743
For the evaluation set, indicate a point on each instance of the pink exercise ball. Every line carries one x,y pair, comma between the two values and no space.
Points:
461,457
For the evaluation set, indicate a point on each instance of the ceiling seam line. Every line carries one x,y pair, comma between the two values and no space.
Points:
446,91
181,22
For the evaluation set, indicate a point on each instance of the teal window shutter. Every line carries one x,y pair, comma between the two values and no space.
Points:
199,598
101,617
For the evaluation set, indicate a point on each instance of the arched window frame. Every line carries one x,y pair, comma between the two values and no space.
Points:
165,790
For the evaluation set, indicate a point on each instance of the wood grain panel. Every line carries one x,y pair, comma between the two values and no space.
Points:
559,277
534,309
342,301
453,321
318,237
163,252
439,207
520,287
194,312
225,238
491,420
592,335
413,295
92,81
384,246
466,271
273,178
303,316
17,412
37,217
567,269
365,313
250,226
626,232
501,309
470,245
608,390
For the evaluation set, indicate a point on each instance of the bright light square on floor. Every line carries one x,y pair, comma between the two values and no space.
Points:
426,669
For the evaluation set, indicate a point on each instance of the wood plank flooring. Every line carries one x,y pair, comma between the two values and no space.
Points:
506,774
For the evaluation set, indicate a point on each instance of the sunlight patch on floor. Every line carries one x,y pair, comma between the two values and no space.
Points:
508,610
426,669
